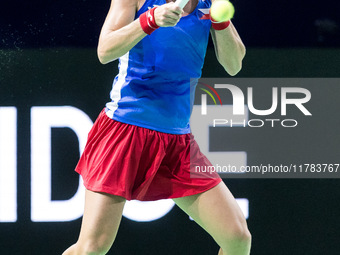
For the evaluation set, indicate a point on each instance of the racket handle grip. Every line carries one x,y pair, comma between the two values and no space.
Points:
181,3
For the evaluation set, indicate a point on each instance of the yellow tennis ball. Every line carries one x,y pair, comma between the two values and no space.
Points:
222,10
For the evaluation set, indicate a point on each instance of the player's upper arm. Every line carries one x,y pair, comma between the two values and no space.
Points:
121,13
114,38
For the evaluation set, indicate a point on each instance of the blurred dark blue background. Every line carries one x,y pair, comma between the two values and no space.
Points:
48,58
266,23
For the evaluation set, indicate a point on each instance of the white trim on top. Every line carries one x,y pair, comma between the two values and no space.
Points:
115,93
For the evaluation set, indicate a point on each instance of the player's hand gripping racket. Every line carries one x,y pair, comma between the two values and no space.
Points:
181,3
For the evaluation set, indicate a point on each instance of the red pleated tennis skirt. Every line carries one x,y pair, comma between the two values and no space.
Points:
138,163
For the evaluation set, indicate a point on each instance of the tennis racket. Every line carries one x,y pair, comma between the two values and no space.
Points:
181,3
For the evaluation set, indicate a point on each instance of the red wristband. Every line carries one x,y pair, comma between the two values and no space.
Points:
148,22
219,25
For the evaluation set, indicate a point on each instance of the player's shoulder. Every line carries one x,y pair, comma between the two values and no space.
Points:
127,4
140,3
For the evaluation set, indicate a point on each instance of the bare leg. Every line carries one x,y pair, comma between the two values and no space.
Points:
217,211
102,216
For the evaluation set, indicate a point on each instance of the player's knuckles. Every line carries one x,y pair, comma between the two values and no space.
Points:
164,22
178,10
163,14
174,7
160,16
166,17
170,8
163,19
159,11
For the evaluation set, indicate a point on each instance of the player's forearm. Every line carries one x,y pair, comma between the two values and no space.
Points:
116,43
229,49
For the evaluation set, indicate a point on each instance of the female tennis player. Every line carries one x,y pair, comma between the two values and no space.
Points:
140,147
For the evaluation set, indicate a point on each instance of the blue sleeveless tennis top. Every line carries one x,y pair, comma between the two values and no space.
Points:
157,78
